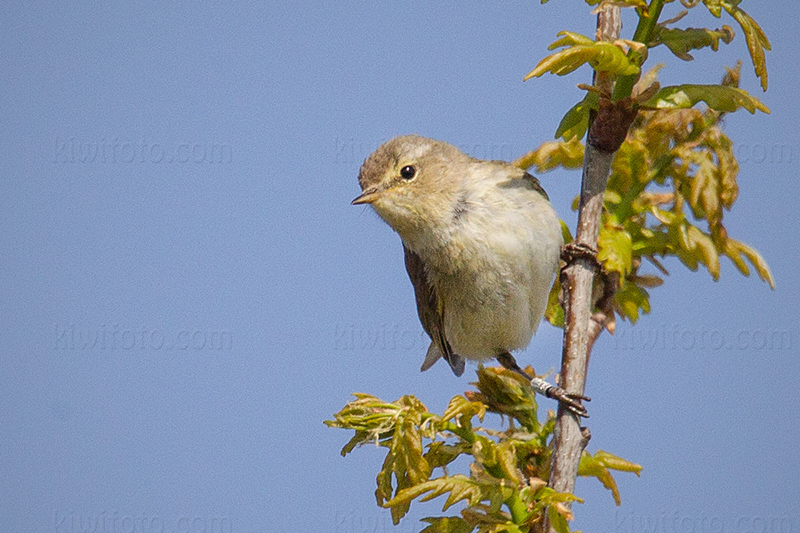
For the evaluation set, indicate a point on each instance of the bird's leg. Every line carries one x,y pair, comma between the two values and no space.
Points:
571,401
605,286
574,250
509,363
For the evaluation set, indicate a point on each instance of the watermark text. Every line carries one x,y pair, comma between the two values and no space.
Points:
118,522
384,337
681,338
71,150
676,522
118,337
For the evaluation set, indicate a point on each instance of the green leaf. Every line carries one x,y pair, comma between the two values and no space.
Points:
757,41
717,97
463,409
555,311
447,524
506,393
682,41
628,3
553,154
457,487
569,38
441,454
614,462
601,55
373,419
500,458
557,520
629,299
704,197
714,6
697,247
576,121
495,496
357,440
600,466
488,519
615,249
630,169
669,218
727,169
404,460
735,249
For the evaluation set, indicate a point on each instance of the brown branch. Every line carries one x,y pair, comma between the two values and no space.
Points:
600,321
569,438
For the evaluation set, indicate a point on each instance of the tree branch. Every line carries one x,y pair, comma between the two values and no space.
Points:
570,439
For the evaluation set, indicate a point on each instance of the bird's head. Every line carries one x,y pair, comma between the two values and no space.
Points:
412,183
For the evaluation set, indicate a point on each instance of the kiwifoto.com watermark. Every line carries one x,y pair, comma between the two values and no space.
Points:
766,153
380,337
118,522
359,522
677,337
677,522
114,150
351,151
119,337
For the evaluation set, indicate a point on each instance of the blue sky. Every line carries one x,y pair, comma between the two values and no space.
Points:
188,293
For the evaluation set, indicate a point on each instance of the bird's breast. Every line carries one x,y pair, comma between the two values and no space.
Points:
494,286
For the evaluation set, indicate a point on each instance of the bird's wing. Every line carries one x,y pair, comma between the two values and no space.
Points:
431,314
535,185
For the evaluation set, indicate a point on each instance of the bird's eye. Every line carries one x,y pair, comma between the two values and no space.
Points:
408,172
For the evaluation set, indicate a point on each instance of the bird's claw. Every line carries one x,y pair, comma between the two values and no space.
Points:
571,401
575,250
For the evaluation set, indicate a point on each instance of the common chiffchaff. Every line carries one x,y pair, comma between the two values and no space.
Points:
482,246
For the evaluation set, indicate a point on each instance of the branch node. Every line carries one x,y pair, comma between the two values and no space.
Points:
610,126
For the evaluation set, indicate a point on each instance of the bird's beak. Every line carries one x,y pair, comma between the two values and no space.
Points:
367,197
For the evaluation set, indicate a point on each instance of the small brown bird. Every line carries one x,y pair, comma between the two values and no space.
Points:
482,246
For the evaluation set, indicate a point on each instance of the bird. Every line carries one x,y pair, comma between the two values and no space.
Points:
481,243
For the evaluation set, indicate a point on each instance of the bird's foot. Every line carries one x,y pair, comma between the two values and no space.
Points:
571,401
575,250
